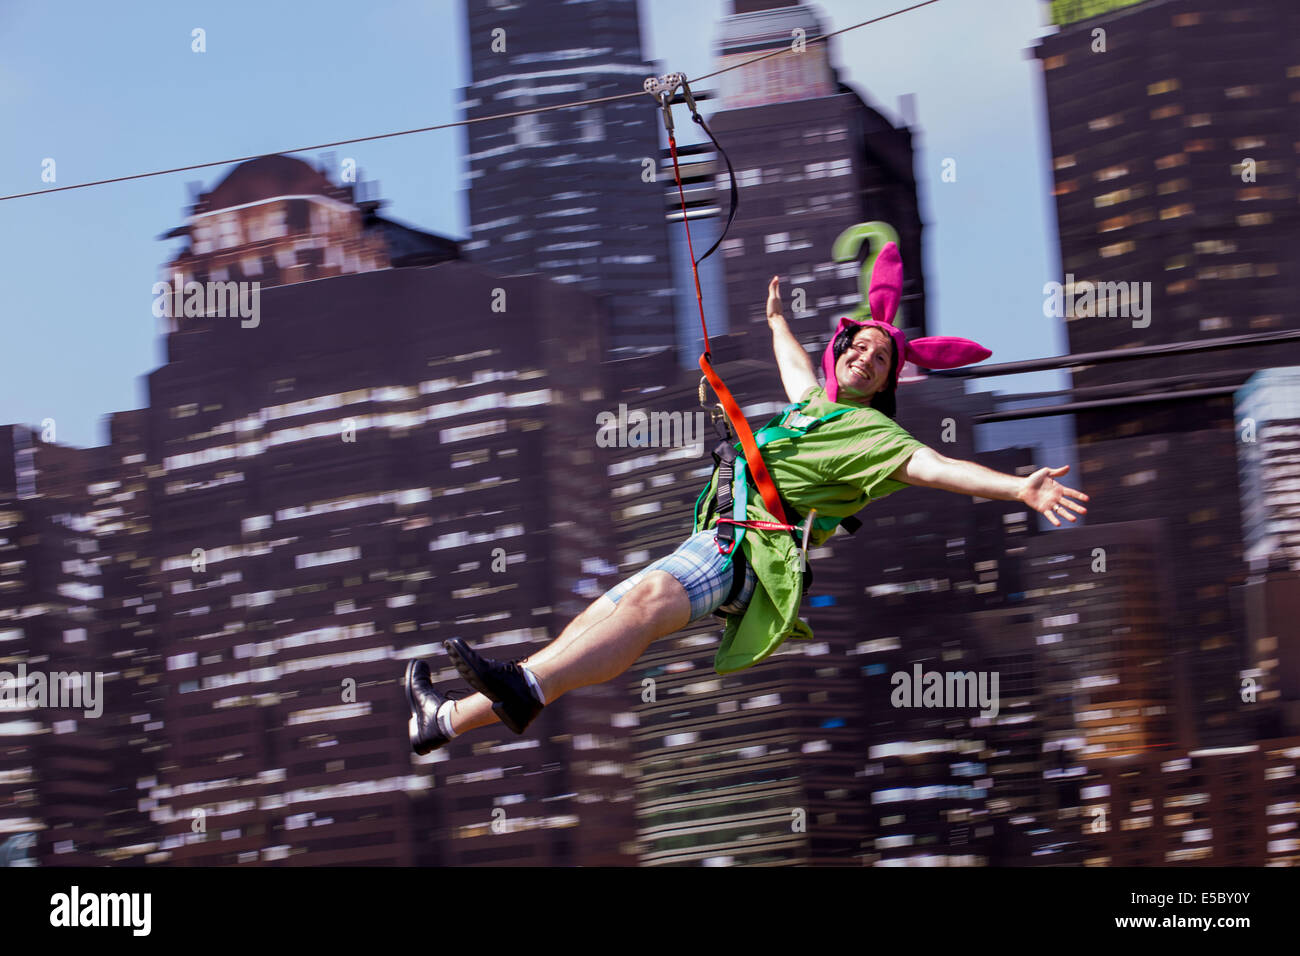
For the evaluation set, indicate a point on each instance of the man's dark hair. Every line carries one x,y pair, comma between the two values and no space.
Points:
886,400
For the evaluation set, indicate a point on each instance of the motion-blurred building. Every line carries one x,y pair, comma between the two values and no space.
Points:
570,194
1268,417
315,493
1176,201
1228,806
55,751
1110,683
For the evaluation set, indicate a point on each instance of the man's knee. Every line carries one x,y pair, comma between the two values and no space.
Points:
658,592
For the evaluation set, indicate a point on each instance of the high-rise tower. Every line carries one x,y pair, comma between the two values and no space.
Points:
571,193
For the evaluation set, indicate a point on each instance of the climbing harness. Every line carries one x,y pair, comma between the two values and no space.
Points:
731,495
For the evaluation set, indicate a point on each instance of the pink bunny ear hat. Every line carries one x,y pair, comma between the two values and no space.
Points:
934,351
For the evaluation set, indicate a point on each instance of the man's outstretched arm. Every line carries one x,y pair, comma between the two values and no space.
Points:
797,373
927,468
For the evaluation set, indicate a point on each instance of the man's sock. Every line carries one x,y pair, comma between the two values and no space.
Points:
444,719
534,684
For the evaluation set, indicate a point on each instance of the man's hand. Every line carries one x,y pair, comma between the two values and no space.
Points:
1042,493
774,297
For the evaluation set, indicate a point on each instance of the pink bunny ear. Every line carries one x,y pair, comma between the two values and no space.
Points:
945,351
886,284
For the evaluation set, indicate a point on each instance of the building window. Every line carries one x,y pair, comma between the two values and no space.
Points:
528,130
1118,196
1162,86
229,231
591,128
276,223
1139,478
1164,112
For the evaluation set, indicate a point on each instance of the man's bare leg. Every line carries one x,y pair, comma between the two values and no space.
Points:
596,612
656,607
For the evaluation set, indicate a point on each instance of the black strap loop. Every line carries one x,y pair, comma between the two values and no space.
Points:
735,191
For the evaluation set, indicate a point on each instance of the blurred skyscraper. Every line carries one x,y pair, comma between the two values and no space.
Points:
570,194
395,449
1172,139
1268,419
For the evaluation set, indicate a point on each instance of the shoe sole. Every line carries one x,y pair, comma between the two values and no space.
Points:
412,726
472,677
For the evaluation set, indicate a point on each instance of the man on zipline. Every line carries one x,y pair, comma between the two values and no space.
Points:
855,455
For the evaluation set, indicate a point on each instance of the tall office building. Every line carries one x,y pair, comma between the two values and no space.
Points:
1172,131
1110,666
317,491
345,484
1225,806
570,194
55,749
1268,417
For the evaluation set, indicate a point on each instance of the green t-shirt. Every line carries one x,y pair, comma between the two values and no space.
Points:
838,468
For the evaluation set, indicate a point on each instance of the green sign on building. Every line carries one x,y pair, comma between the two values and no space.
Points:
1071,11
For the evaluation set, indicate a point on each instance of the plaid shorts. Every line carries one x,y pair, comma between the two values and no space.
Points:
699,567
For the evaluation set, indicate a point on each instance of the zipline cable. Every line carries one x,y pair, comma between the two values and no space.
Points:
464,122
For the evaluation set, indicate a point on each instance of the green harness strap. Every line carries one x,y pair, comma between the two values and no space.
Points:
790,422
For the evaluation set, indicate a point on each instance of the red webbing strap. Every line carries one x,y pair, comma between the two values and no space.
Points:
766,487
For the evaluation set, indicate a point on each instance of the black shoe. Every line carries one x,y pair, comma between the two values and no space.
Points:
505,684
424,702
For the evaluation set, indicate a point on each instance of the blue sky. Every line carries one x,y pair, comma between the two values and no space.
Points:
112,89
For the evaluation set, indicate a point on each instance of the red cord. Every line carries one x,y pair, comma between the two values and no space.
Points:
766,486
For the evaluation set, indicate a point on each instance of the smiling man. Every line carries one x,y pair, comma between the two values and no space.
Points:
835,451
